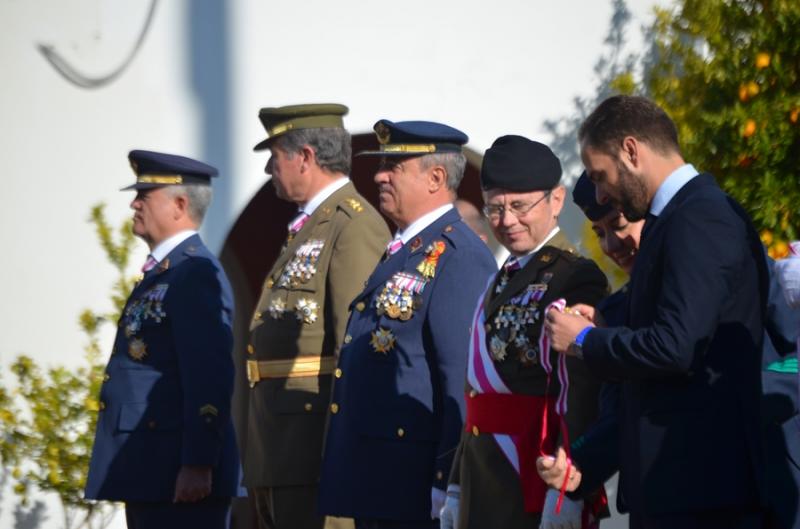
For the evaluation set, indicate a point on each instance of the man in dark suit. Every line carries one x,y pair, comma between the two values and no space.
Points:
397,406
689,357
511,396
595,455
299,321
164,443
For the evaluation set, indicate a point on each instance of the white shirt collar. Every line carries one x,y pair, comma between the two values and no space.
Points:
525,258
670,187
170,243
312,205
421,223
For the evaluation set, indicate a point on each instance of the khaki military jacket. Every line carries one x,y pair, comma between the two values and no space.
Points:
490,489
296,329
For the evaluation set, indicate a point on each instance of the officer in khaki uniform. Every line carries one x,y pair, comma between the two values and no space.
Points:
332,246
513,406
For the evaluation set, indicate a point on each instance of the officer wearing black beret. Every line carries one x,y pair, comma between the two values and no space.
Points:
165,443
514,407
398,396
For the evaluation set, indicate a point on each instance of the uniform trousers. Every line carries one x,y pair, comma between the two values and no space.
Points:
293,508
209,513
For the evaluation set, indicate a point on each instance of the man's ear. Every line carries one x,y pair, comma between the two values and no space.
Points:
181,206
437,178
309,157
631,148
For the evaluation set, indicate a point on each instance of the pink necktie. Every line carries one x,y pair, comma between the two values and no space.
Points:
298,222
149,264
394,245
512,265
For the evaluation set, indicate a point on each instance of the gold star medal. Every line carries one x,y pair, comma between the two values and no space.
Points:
137,349
307,310
382,341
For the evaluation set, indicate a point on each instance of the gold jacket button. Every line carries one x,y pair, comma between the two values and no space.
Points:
475,430
348,339
101,405
270,282
307,406
337,373
360,306
106,377
334,408
439,474
250,349
257,315
472,393
400,432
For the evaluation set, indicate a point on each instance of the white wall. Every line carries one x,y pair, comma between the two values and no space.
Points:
195,87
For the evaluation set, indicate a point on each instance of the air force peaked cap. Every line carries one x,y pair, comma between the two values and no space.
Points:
415,138
280,120
583,194
519,164
156,169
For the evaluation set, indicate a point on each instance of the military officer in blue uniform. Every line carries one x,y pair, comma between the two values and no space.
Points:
397,407
165,443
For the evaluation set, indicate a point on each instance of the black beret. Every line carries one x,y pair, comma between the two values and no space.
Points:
519,164
583,194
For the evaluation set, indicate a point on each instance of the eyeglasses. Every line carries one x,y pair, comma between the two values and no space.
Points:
495,211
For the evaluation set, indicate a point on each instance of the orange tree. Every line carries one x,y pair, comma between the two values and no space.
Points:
728,73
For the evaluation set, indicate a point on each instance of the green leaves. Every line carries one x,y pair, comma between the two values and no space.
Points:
727,72
48,417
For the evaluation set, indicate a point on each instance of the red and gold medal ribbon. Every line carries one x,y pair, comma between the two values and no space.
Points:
428,266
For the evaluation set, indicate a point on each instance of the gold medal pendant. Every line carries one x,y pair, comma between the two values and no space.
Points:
137,349
382,341
393,311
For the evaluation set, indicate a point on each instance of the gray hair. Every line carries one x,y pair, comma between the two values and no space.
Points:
198,198
332,146
454,164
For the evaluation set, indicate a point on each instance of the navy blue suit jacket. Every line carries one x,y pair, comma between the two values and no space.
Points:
165,401
689,359
399,414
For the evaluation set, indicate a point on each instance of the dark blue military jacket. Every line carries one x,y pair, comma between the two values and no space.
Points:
398,400
165,400
690,359
780,410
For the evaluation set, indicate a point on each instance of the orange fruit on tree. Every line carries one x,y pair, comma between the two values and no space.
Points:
762,60
749,128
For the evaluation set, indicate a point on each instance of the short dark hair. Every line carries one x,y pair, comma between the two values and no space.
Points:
621,116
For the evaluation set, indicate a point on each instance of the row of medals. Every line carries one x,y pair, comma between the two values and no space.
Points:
303,265
511,324
146,307
400,297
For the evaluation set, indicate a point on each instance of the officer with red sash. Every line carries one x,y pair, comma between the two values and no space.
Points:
518,400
